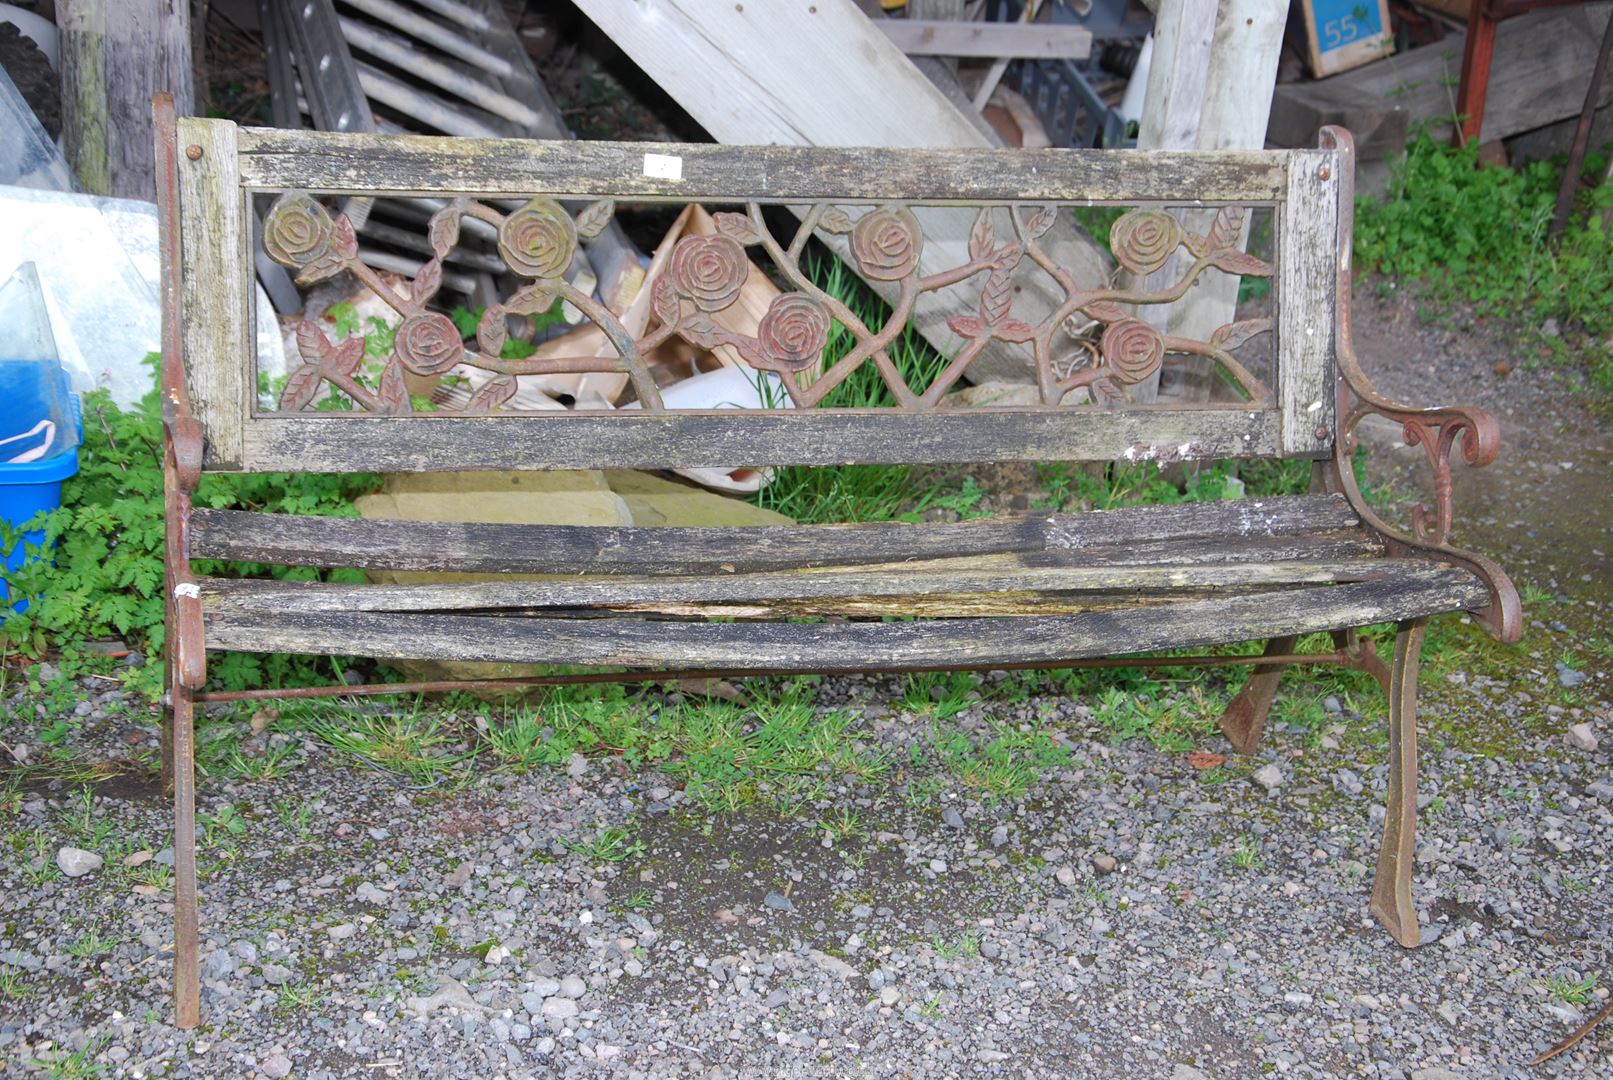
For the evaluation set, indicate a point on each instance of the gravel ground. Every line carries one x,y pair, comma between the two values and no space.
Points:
1129,916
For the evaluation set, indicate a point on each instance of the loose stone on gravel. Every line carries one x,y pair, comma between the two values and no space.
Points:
276,1065
572,987
1268,776
1065,876
561,1008
1104,863
450,992
778,902
1583,737
76,862
1569,677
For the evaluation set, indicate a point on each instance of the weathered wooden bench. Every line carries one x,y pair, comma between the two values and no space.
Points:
1046,589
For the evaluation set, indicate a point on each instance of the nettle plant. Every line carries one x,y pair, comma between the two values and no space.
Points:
97,573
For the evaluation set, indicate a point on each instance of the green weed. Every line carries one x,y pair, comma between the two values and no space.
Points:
1003,765
966,945
415,742
609,845
1248,854
12,986
91,944
79,1065
1477,233
1571,990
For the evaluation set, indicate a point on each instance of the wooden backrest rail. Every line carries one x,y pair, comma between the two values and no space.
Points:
1090,344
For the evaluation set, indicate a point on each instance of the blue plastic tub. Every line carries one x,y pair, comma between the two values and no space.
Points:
32,391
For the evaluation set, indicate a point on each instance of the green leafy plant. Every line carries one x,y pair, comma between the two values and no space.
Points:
1466,231
467,319
98,571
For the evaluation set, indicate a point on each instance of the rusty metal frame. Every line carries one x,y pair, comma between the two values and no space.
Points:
184,652
1092,344
1439,431
1478,50
1350,658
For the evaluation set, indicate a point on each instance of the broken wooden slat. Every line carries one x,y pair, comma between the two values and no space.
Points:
938,37
288,539
831,646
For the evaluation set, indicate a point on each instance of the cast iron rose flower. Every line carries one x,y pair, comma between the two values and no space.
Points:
429,344
297,230
538,240
1143,239
793,331
886,243
708,270
1132,349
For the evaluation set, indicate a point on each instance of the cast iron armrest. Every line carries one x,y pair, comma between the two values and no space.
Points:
1439,431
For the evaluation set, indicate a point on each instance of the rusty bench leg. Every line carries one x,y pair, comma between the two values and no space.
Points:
187,968
1391,890
1245,719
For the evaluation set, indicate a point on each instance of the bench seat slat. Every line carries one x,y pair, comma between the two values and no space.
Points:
645,643
371,544
988,576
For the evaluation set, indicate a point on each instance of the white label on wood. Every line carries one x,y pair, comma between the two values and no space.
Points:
663,166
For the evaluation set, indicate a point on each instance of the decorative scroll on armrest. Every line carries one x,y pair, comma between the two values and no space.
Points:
1439,431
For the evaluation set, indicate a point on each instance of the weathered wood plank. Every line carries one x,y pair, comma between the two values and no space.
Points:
943,37
996,575
563,549
828,646
724,438
1307,301
275,159
214,311
1232,111
114,53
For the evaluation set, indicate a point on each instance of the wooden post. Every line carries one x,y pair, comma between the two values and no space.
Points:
115,55
1209,88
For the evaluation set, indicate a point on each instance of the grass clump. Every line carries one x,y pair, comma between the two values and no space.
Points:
813,494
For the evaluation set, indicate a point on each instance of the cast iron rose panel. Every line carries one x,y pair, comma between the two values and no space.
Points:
1093,341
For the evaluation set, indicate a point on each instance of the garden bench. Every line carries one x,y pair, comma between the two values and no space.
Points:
1044,589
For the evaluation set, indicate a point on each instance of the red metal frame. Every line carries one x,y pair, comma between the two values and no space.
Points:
1477,53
